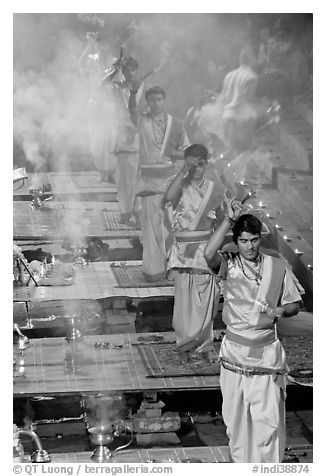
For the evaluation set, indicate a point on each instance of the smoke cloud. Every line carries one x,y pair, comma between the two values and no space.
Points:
51,95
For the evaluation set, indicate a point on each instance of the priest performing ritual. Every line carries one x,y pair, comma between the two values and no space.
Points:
258,290
193,197
162,142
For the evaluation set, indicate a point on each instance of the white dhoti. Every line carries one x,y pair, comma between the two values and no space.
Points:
126,176
156,171
254,413
154,235
195,303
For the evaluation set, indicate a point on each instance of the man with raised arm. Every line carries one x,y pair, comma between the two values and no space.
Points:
258,289
122,79
193,197
162,142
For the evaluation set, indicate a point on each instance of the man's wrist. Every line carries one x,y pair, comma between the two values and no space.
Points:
230,220
280,312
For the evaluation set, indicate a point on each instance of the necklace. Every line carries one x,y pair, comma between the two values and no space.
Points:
161,123
200,184
257,273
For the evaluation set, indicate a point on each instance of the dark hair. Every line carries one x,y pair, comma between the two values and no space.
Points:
248,223
130,62
154,90
196,150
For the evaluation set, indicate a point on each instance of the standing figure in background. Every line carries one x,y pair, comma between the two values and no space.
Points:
239,114
258,289
193,197
101,108
293,77
285,75
230,120
264,34
242,112
162,142
123,79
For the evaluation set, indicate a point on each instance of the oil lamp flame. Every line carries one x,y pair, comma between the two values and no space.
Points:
288,238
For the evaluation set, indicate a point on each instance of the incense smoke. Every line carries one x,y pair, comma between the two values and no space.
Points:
51,95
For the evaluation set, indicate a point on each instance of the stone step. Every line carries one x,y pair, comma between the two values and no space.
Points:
275,159
306,417
305,109
278,211
298,190
295,134
294,436
296,186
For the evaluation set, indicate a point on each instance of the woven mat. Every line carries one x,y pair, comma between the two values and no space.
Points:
131,276
299,357
161,360
112,221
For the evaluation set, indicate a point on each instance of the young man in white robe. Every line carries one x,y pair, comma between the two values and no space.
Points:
126,144
258,289
162,142
193,198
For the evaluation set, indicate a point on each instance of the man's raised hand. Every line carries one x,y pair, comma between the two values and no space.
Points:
233,207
